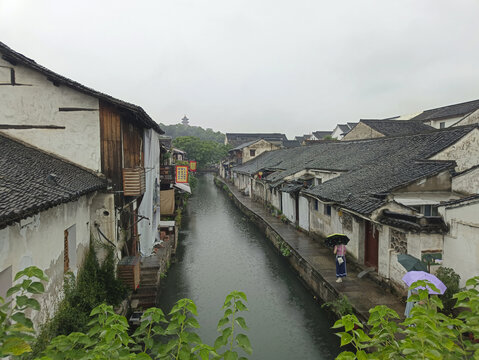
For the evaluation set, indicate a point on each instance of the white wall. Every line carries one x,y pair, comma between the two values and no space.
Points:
448,122
461,244
467,183
39,241
259,147
276,198
469,119
303,213
38,104
465,152
289,206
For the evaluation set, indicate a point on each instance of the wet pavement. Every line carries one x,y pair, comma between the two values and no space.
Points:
363,293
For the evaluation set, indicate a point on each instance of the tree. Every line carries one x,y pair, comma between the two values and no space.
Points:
178,130
205,152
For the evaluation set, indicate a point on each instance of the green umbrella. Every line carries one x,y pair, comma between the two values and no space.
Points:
411,263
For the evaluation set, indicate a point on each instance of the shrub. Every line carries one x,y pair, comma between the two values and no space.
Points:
95,284
451,279
284,249
340,306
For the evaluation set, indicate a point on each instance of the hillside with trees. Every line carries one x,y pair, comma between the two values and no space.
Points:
205,152
178,130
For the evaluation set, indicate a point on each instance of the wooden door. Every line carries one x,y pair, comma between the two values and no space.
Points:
371,245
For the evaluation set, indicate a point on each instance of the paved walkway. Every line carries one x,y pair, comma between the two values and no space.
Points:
363,293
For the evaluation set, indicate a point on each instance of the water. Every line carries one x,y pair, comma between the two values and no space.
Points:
220,251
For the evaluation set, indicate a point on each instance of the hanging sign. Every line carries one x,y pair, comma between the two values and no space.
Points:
192,165
181,174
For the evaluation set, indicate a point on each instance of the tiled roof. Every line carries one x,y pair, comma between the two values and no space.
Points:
461,201
448,111
344,127
370,167
362,190
291,143
397,127
321,134
137,112
32,181
242,146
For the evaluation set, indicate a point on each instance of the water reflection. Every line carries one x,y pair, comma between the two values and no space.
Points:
221,251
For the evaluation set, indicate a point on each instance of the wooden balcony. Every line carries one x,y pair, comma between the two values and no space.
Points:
133,181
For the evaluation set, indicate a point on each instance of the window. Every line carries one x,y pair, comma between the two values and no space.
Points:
252,152
317,181
316,205
327,210
426,210
442,125
430,210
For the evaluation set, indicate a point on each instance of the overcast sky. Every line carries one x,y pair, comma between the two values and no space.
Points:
258,65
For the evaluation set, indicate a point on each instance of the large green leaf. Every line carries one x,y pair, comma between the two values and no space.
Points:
244,343
15,346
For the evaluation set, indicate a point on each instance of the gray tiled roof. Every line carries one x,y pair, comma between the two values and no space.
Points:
370,167
239,147
397,127
32,181
448,111
236,139
291,143
139,115
321,134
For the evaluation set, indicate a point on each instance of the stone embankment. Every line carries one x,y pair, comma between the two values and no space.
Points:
314,262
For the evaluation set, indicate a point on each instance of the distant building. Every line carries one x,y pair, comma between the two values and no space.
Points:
369,128
235,139
465,113
185,121
342,129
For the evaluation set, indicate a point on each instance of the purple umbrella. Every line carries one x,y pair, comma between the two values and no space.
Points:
413,276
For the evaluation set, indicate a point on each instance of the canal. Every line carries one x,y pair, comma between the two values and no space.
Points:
220,251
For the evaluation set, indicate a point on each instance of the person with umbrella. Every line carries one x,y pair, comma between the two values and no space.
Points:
339,241
411,277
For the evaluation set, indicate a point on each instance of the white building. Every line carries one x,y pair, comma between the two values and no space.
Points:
48,209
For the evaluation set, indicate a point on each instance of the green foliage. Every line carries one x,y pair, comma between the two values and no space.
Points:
96,284
284,249
16,329
283,218
234,304
193,181
205,152
178,218
329,137
340,306
427,334
107,335
179,130
451,279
